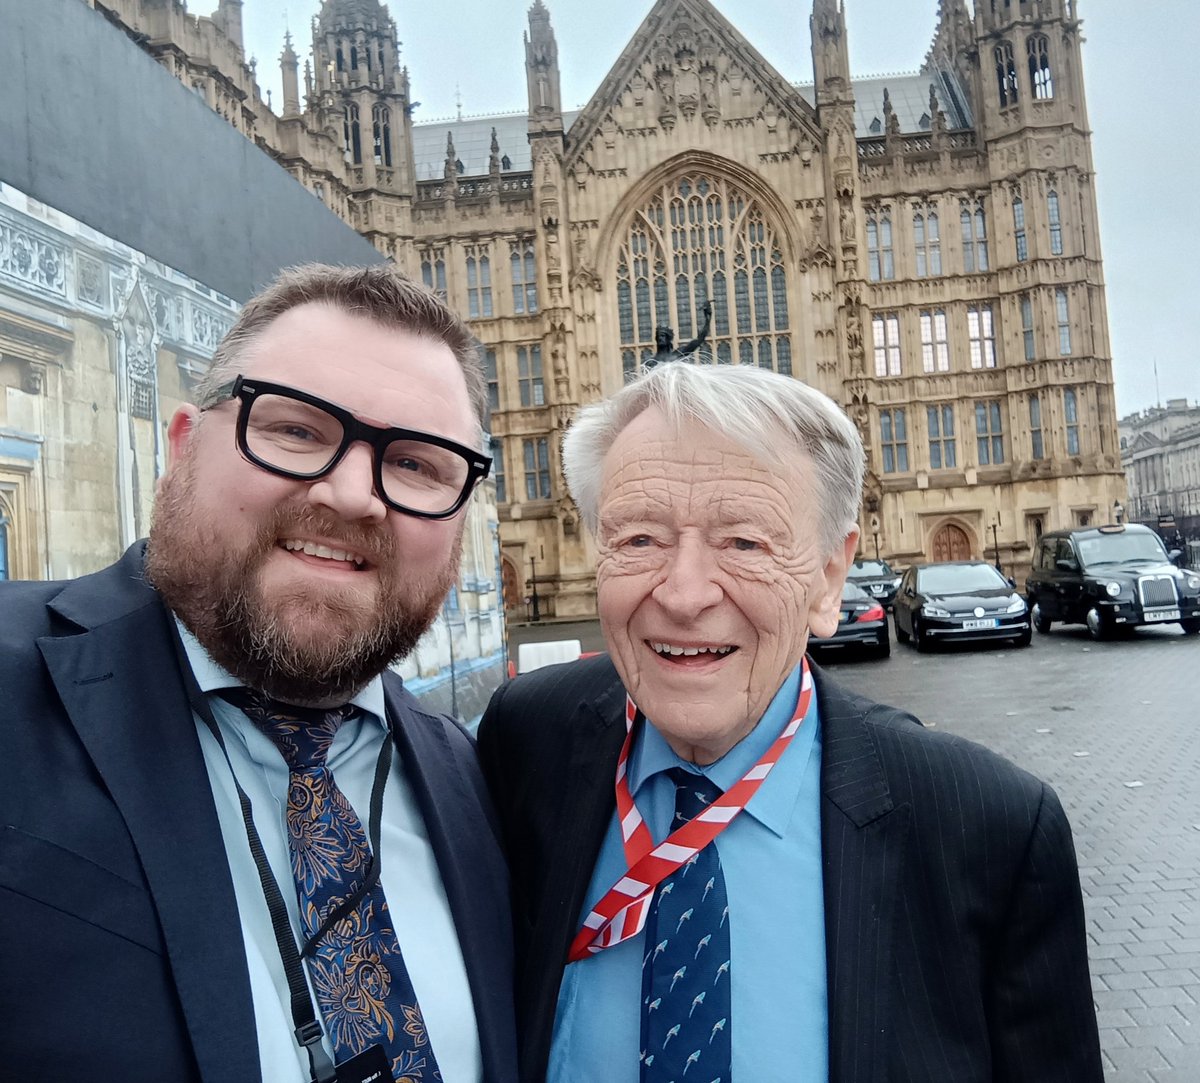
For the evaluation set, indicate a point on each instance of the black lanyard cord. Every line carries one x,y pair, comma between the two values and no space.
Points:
307,1030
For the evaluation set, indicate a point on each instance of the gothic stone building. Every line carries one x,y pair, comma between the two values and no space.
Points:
924,247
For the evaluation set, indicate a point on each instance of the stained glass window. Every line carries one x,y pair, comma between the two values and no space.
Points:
701,238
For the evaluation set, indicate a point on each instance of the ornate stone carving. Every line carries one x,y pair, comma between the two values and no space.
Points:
32,260
33,377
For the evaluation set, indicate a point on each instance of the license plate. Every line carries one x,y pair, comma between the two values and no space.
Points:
987,622
1162,614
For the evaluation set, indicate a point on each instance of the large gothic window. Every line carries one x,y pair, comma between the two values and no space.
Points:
701,238
353,135
1041,79
381,130
1006,74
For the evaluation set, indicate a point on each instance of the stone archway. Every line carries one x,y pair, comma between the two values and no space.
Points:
513,598
950,542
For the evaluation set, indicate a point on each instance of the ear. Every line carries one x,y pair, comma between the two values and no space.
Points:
180,431
824,606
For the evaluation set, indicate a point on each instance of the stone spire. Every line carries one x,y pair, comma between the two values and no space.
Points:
831,58
289,67
541,73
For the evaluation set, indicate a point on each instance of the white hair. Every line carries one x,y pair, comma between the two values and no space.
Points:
759,410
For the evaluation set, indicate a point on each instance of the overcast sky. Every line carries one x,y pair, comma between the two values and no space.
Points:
1138,61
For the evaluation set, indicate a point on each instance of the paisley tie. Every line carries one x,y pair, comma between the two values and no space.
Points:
357,972
686,1025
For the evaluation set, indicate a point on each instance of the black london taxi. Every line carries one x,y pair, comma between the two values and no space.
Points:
1109,578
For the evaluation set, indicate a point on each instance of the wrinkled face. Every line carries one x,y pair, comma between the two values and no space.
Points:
710,577
308,589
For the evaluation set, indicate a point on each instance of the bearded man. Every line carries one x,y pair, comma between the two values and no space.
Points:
232,846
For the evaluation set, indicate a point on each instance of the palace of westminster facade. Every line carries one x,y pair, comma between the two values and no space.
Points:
924,248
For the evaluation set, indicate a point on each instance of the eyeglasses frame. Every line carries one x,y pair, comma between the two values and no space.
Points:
246,390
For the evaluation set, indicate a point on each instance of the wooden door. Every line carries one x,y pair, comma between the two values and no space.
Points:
512,585
951,543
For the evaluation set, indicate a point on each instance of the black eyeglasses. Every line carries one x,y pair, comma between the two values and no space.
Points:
297,435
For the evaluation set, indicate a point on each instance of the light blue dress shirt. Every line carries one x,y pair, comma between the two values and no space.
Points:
771,855
411,881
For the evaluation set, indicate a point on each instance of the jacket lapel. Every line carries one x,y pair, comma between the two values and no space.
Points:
863,842
595,731
120,685
473,873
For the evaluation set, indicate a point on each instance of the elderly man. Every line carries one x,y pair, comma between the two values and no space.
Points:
232,846
724,865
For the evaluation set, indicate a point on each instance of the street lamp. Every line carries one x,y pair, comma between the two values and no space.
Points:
533,594
1118,512
996,546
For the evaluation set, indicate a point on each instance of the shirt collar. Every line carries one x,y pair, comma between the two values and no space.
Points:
775,799
211,676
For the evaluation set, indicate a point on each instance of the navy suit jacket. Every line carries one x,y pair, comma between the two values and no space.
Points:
954,926
121,956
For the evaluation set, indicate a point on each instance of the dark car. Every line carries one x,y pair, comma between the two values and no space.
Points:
862,623
1109,578
876,578
958,601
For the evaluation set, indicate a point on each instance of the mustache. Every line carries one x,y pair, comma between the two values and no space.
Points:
375,544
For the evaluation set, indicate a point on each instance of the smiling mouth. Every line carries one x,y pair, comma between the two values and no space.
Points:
324,552
690,653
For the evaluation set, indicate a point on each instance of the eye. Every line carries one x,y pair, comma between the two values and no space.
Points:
639,541
745,545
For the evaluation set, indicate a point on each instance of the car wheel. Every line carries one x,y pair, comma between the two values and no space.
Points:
1191,626
1040,621
1024,639
884,647
1096,625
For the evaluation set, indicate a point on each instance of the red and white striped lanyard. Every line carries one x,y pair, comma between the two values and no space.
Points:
621,913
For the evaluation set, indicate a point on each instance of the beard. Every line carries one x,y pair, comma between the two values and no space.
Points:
314,647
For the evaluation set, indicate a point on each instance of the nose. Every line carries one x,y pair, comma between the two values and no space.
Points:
691,583
348,489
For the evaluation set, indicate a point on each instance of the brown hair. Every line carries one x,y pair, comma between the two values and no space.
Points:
378,293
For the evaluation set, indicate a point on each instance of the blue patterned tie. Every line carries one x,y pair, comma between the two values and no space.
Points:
357,972
686,1024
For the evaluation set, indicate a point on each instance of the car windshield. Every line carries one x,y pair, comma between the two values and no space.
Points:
865,568
1119,548
851,593
958,579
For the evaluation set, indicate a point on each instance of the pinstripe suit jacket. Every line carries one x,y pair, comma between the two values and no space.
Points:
953,914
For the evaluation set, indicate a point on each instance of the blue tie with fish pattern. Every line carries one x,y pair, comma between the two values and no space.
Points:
686,1030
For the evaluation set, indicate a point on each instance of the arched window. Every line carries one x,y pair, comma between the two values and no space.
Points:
1056,240
928,242
701,238
353,136
354,58
381,126
1019,229
341,58
5,527
974,237
881,263
1006,74
1041,79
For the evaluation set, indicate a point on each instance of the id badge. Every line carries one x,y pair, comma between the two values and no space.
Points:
370,1066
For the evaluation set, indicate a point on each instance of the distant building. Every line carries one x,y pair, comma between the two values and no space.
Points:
1160,453
923,247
